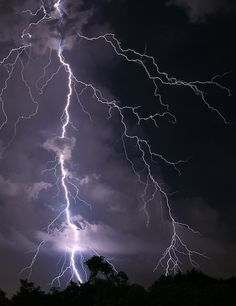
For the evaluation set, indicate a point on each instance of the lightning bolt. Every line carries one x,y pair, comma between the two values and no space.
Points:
146,177
65,120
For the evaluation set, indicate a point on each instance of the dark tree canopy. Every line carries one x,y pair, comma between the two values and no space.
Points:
98,265
105,287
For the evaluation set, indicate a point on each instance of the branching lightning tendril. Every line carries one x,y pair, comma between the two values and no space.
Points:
170,259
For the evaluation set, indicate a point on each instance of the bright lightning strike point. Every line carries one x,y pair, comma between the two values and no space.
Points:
70,224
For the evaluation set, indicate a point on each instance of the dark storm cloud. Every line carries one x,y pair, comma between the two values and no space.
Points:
15,17
215,239
11,21
78,15
199,10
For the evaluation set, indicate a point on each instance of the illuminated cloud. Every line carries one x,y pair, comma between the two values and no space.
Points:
60,146
34,190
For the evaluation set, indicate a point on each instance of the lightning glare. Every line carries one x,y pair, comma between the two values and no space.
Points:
65,181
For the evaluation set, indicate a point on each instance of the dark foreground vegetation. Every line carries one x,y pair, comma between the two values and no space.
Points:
107,288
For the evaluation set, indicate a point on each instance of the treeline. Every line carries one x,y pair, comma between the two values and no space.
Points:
107,288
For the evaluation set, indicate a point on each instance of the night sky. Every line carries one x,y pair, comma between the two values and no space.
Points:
190,40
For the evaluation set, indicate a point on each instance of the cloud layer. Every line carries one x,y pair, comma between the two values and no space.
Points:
198,11
15,19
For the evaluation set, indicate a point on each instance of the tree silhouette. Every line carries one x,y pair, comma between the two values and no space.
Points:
4,301
98,265
107,288
121,278
193,288
28,294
